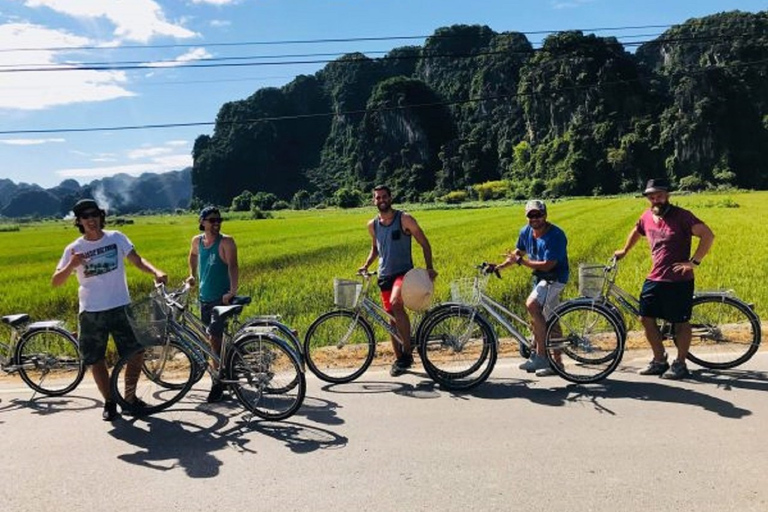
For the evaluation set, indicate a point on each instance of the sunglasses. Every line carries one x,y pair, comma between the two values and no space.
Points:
214,220
90,215
534,215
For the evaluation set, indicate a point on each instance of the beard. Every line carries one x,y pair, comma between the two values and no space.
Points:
660,209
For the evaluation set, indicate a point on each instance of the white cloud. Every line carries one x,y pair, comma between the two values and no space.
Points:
37,90
157,165
191,55
176,143
29,142
136,154
215,2
568,4
220,23
135,20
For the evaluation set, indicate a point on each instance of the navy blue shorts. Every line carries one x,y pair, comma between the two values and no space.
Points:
671,301
215,329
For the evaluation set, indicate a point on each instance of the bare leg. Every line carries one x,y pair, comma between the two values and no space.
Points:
402,323
216,346
101,377
653,334
132,372
538,324
683,339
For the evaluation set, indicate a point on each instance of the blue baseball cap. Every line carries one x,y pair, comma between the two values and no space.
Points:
206,212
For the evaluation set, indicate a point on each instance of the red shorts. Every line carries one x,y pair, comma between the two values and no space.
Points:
386,285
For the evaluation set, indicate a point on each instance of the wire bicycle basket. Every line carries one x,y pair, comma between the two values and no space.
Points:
346,292
591,279
468,290
149,318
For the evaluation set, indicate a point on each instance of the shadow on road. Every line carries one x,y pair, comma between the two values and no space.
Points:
424,389
733,379
600,395
46,405
165,444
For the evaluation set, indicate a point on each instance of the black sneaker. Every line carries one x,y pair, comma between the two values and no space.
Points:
400,366
110,411
216,393
136,408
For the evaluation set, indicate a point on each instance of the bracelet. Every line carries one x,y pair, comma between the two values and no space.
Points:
519,260
695,262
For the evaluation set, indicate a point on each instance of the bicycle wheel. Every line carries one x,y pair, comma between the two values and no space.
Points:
173,383
725,332
171,368
584,343
457,347
49,361
266,376
283,331
339,346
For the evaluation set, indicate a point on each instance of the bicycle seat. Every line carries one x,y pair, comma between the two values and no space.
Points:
240,300
15,320
224,312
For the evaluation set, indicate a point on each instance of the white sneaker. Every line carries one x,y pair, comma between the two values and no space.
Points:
535,363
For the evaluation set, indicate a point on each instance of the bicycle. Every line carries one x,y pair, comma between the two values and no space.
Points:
461,324
340,344
45,354
261,368
726,331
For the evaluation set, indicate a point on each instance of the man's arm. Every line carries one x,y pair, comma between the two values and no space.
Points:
146,266
706,239
61,275
632,239
229,255
192,261
374,253
412,228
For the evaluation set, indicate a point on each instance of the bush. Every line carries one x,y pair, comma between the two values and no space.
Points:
455,197
348,197
281,205
492,190
242,203
258,214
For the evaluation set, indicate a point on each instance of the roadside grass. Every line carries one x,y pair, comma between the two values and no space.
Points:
288,262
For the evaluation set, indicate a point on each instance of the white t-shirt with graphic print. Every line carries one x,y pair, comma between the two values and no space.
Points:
103,283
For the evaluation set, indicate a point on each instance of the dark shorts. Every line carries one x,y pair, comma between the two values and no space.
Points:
386,284
206,314
671,301
94,328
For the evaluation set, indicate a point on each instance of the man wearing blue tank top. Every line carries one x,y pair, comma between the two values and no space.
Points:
391,233
213,257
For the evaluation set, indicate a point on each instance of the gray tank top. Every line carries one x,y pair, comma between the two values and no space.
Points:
394,247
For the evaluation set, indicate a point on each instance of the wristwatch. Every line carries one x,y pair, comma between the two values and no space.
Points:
695,262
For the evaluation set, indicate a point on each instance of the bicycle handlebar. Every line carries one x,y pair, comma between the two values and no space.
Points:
488,268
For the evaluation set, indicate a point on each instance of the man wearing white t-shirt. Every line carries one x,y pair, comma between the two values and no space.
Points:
97,258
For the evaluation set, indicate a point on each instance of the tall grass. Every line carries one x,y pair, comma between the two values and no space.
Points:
288,263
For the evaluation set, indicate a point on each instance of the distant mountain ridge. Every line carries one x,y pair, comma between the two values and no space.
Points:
121,193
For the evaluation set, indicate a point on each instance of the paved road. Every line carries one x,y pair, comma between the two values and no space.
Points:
381,444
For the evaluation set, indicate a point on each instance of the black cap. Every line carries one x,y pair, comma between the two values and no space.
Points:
206,212
656,185
85,205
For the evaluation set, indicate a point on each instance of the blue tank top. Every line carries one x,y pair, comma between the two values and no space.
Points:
213,272
394,246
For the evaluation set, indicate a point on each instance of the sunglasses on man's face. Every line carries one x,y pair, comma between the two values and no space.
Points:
90,215
534,215
215,220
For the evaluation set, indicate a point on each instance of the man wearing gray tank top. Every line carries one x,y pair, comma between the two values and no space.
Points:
391,233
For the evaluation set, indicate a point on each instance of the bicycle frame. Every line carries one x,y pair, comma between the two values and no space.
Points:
370,309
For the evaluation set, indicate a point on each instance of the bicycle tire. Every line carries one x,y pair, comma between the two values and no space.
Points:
584,343
726,332
49,360
172,362
174,383
285,332
457,347
266,376
339,346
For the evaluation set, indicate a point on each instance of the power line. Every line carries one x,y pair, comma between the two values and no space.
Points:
224,61
360,111
307,41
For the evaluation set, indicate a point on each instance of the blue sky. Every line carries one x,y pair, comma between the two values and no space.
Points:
164,33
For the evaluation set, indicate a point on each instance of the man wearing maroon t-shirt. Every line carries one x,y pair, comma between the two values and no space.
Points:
668,290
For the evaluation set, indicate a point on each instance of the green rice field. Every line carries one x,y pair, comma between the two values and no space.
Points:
288,263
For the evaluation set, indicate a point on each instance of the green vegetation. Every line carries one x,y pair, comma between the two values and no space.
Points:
473,110
288,262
